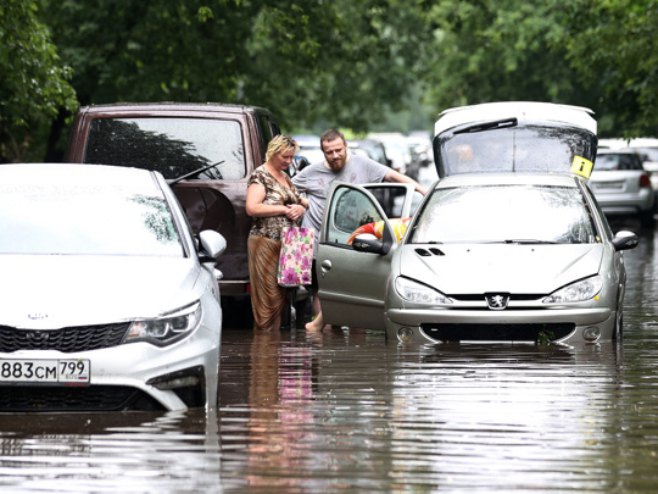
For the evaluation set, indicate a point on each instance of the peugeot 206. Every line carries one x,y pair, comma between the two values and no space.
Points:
108,301
509,244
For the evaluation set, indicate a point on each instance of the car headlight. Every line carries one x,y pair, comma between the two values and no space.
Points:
167,328
579,291
418,293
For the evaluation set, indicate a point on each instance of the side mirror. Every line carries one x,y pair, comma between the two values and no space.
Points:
367,242
625,240
211,245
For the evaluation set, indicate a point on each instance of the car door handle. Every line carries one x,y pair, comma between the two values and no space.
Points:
325,266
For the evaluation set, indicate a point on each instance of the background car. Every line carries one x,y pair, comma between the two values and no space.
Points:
375,150
397,150
108,301
622,186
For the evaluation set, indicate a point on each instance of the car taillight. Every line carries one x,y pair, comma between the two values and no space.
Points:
645,181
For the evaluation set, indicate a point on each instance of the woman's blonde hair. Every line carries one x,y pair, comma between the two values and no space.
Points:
279,144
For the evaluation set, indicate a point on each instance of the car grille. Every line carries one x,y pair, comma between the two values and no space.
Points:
73,339
74,399
497,332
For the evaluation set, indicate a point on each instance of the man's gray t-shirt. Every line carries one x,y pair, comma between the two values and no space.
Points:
316,180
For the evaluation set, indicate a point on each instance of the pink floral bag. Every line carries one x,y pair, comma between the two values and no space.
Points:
296,258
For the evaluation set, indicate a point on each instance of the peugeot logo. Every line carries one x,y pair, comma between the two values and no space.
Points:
497,301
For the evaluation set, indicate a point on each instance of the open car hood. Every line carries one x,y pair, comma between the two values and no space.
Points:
515,136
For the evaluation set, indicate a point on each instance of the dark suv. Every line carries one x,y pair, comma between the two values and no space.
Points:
206,151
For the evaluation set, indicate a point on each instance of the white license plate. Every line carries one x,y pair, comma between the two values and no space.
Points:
45,371
608,186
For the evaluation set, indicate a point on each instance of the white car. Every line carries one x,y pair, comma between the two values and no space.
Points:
622,186
108,301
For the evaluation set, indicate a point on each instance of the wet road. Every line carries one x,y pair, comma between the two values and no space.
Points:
347,411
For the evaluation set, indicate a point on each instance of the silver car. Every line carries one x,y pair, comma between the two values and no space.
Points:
622,186
108,301
522,254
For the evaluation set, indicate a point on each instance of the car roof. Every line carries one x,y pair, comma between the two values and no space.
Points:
78,174
617,151
525,111
169,108
506,178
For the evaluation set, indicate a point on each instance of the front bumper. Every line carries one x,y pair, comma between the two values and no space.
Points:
126,377
623,203
554,324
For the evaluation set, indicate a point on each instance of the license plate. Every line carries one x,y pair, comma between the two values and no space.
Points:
608,186
45,371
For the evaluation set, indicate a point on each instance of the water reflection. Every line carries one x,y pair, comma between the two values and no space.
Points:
503,418
121,452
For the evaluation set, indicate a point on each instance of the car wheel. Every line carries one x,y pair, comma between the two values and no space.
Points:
618,331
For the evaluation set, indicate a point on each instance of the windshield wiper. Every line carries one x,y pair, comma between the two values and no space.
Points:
528,241
174,181
480,127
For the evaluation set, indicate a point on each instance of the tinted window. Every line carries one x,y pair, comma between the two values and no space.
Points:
86,220
172,146
484,214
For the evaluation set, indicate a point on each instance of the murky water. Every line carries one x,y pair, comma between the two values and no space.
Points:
347,411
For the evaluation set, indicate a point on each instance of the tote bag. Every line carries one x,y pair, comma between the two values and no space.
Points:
296,257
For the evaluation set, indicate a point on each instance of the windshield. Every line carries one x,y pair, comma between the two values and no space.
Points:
523,148
86,220
505,214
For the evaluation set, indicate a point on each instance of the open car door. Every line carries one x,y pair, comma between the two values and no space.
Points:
353,274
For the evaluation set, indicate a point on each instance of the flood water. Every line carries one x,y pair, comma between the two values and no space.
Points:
348,411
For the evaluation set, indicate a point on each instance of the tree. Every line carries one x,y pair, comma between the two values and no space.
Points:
34,83
342,61
602,55
617,58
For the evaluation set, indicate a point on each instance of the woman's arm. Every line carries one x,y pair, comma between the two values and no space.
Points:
255,206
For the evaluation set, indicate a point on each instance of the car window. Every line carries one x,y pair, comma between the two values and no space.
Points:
349,209
507,213
391,199
172,146
86,220
517,148
268,129
619,161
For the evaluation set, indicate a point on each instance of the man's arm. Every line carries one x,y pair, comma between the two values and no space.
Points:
393,176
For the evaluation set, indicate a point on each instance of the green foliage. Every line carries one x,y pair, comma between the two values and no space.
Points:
34,83
489,50
355,64
617,57
600,54
342,61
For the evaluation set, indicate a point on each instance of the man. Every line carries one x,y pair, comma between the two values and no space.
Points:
316,180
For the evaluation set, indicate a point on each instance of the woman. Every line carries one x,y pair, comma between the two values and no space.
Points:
274,203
